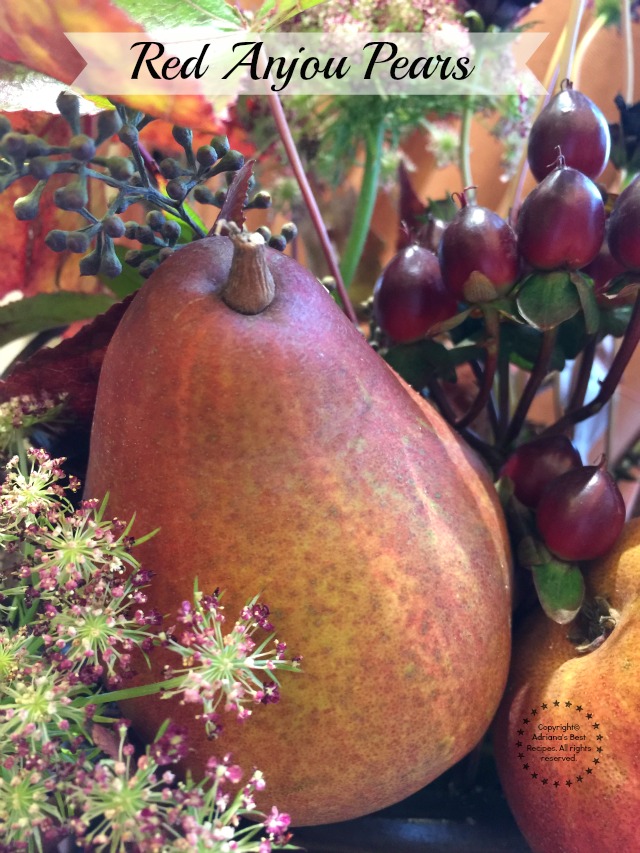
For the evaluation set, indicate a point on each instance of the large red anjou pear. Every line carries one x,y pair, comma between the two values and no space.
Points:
595,757
240,411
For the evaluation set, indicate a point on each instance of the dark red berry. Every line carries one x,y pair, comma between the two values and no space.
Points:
575,124
409,297
624,227
478,254
534,465
581,514
561,222
602,269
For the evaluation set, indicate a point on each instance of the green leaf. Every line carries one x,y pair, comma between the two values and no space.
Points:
584,287
560,588
48,311
451,323
572,336
522,343
424,360
275,13
129,279
624,283
169,14
614,321
547,299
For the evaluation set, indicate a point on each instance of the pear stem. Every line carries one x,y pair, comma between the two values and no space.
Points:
250,288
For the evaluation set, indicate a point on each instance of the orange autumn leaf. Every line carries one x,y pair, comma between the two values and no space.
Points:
33,35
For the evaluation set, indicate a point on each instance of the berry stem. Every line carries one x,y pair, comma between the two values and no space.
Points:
573,31
581,51
504,391
610,382
284,130
536,377
587,358
365,204
465,143
492,326
489,453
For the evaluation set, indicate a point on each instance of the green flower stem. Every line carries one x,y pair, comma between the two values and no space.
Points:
576,14
584,45
365,204
129,692
465,144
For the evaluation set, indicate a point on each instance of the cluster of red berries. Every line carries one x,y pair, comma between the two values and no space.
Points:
579,511
560,226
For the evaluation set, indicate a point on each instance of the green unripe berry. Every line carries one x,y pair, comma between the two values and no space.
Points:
221,144
120,168
109,262
68,105
260,201
109,123
170,168
145,235
82,147
72,197
15,145
128,134
177,190
203,195
113,226
170,231
289,231
130,229
56,240
78,242
26,207
278,243
206,155
147,267
134,257
182,135
155,219
36,147
90,264
41,168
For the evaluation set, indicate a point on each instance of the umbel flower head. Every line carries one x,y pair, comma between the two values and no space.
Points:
72,612
225,671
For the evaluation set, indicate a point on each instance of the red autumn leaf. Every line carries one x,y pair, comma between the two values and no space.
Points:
33,34
232,209
71,369
412,210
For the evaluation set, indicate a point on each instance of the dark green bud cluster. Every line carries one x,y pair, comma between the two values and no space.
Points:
279,241
135,177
